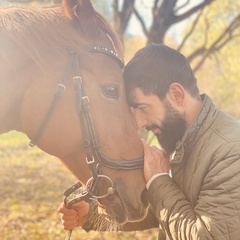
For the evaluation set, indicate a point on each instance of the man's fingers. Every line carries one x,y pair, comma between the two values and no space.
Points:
74,216
69,221
69,225
66,211
147,149
69,218
81,207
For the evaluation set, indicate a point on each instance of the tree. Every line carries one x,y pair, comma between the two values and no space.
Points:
24,2
168,13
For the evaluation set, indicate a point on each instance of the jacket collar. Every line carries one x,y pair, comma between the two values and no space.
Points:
200,125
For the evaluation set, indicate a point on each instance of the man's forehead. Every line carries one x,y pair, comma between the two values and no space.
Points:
137,97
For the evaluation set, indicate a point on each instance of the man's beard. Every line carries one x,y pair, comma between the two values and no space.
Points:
172,129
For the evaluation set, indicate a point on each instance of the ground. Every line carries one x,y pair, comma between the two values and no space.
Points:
31,187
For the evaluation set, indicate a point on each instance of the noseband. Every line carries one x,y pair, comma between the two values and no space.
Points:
90,141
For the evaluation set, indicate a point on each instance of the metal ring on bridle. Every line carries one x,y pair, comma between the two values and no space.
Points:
110,190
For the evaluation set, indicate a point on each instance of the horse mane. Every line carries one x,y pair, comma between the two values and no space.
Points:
39,28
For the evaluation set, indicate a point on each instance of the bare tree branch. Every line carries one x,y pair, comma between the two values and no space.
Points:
206,31
190,31
115,6
140,19
121,18
192,11
155,9
183,5
223,39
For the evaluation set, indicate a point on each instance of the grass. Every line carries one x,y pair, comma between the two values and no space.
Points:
31,187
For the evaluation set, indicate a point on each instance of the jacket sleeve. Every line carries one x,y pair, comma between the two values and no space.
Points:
216,214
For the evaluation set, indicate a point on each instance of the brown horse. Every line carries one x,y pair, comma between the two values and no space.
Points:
38,48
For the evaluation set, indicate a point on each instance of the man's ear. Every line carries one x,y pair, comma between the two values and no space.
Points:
176,95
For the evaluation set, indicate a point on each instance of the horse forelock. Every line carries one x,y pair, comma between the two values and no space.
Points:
35,28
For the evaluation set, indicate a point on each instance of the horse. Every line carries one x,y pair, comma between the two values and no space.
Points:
61,85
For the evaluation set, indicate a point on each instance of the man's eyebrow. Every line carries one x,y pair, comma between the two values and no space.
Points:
135,105
132,105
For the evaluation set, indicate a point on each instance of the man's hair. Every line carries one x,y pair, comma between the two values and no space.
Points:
155,67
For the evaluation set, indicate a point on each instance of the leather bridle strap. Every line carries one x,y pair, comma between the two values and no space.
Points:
58,94
90,142
80,98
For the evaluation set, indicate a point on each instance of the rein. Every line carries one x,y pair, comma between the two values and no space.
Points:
90,142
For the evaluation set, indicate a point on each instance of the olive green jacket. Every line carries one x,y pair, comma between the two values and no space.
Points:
202,198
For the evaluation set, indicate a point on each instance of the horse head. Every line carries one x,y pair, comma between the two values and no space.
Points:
72,48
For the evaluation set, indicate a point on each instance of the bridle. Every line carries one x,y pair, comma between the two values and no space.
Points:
90,141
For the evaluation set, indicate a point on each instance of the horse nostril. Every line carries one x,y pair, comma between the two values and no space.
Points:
144,198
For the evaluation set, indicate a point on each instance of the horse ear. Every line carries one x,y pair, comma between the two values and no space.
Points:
82,14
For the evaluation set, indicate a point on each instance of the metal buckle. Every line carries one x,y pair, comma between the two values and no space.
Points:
60,89
90,161
85,100
77,79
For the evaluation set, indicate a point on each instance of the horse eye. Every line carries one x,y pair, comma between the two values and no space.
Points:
111,91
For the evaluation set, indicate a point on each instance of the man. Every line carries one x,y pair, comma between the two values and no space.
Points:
200,197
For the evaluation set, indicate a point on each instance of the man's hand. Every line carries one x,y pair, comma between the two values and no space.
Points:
155,161
75,216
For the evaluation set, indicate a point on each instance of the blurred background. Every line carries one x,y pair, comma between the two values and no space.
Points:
207,32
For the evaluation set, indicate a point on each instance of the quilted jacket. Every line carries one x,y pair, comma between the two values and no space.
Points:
201,199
